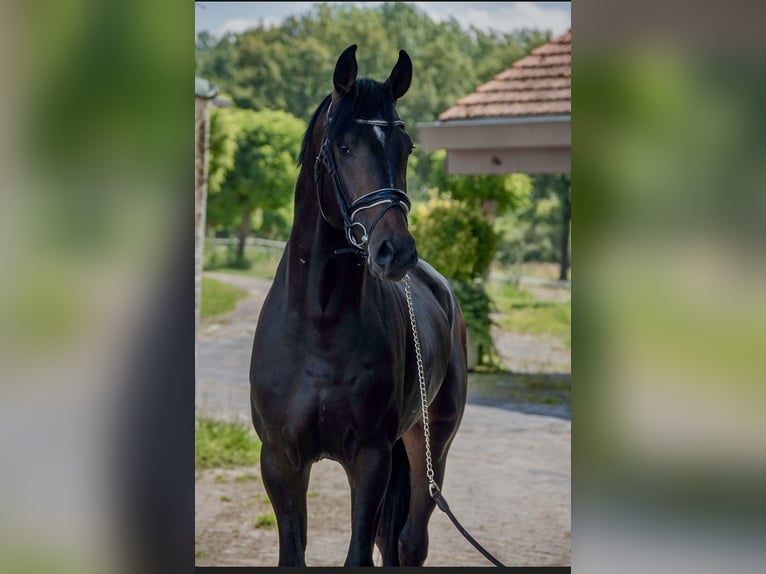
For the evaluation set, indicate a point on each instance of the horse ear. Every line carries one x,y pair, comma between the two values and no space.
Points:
401,76
345,71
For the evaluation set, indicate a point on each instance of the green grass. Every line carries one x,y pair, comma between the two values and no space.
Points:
200,554
537,389
548,271
267,520
505,294
247,477
520,312
224,445
218,297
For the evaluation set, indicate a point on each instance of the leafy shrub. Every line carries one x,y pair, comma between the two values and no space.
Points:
477,307
454,238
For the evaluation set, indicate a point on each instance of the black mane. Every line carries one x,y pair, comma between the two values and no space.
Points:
310,129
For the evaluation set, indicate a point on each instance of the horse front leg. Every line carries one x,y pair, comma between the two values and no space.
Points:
368,478
413,540
286,487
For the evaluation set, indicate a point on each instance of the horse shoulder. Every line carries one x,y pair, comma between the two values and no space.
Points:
438,285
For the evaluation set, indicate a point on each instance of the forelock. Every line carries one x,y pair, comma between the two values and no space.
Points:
368,100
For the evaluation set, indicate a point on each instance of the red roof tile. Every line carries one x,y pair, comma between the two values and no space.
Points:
538,84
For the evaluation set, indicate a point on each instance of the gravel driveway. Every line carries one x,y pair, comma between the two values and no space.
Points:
507,479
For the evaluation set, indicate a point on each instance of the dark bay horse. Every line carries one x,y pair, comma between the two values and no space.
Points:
333,371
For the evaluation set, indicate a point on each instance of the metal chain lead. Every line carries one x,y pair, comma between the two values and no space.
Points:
433,488
422,381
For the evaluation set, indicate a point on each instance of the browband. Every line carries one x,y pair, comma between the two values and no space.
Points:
384,123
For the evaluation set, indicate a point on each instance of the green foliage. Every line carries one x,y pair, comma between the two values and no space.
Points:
222,146
477,307
460,243
218,298
252,164
492,194
274,223
290,66
453,237
533,232
224,445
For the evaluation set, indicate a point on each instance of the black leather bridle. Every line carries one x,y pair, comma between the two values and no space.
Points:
388,196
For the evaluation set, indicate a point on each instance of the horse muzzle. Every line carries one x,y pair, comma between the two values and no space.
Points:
392,257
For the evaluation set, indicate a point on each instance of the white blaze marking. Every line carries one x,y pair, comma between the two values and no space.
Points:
381,135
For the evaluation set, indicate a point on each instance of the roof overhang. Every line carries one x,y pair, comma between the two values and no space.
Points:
493,146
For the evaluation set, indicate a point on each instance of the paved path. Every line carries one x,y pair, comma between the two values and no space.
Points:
508,475
223,352
507,481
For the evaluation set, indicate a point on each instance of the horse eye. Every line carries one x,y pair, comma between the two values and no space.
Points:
344,149
410,150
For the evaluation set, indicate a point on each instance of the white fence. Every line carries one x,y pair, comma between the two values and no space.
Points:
248,241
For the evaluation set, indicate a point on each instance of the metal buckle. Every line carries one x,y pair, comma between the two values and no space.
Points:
350,235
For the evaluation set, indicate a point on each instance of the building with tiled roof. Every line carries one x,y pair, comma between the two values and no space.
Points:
519,122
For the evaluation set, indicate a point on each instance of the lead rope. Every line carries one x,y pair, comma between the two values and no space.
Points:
433,488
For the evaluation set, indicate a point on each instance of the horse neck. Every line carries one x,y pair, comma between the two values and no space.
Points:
320,282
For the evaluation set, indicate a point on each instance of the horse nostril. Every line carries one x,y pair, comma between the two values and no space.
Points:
412,258
385,254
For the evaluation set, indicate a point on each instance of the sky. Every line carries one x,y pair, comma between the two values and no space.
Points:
220,17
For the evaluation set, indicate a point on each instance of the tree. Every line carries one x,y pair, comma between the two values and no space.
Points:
261,173
222,147
290,66
559,188
215,59
539,231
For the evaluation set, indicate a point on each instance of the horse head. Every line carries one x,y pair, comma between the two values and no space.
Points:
364,150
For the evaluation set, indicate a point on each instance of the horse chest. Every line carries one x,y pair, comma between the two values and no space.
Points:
344,386
344,382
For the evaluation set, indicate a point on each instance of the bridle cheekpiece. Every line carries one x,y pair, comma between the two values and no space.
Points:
388,196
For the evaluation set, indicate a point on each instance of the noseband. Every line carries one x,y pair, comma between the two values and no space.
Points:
388,196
